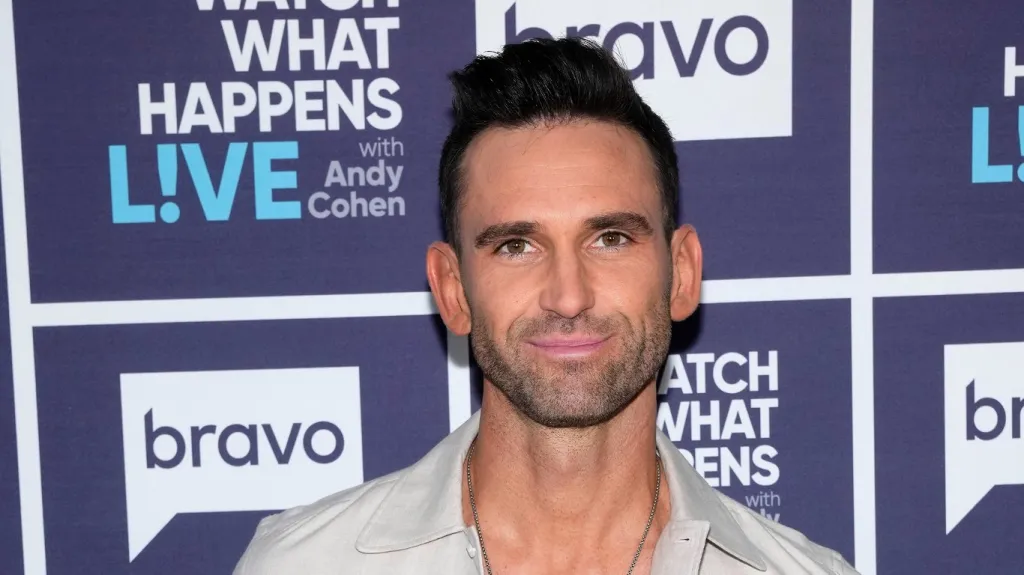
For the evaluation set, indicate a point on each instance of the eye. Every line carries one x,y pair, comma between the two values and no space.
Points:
515,248
611,240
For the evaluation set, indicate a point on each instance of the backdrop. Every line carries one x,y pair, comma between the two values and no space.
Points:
215,215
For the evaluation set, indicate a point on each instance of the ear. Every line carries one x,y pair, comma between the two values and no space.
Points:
446,285
687,267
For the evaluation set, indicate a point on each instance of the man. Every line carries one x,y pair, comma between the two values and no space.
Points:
564,263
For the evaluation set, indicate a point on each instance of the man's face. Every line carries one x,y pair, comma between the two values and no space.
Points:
566,268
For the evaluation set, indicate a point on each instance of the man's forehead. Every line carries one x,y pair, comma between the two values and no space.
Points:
501,149
569,171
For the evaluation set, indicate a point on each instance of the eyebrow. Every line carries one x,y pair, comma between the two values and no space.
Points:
492,234
631,222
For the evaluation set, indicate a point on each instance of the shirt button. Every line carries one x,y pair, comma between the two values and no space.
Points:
472,551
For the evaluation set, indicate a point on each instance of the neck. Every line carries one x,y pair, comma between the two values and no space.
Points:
590,490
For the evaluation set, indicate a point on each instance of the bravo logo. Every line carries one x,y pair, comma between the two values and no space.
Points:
713,70
198,442
984,409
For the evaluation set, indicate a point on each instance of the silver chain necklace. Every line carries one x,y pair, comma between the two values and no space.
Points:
480,534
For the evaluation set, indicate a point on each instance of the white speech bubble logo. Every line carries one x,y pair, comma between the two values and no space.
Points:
188,442
721,70
984,397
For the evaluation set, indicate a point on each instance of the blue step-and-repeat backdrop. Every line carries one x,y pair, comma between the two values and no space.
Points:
215,215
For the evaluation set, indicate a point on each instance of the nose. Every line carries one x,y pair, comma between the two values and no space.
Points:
567,291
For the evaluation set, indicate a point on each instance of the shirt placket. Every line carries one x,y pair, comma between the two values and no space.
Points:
680,548
473,549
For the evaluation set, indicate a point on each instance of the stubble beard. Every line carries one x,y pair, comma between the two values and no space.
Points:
575,393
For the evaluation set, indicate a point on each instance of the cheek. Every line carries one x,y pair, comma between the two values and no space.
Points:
498,296
626,298
633,287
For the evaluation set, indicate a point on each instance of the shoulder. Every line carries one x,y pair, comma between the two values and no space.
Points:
781,545
307,538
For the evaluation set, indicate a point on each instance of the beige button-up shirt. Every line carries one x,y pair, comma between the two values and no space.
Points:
410,522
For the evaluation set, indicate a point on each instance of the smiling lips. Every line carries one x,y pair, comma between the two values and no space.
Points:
569,347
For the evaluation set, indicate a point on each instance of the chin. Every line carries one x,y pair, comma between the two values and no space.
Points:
572,410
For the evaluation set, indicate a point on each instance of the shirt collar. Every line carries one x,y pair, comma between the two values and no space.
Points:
425,502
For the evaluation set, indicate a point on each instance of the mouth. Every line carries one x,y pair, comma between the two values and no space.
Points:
569,347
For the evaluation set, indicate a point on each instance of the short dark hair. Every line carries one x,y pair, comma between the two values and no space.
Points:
541,81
